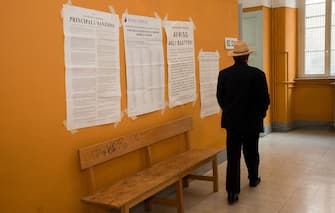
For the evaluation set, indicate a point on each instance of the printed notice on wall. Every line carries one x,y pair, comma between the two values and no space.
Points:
181,62
92,67
144,64
209,69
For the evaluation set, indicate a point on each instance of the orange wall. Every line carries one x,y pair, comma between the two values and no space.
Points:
314,101
296,100
38,160
267,60
284,21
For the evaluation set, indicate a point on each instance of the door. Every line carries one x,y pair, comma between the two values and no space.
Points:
252,33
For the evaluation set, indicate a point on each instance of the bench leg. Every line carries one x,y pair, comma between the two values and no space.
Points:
180,196
124,209
148,204
186,182
215,174
91,210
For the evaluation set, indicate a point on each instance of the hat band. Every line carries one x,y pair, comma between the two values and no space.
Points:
241,51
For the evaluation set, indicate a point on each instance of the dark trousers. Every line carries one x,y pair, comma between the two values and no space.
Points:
235,141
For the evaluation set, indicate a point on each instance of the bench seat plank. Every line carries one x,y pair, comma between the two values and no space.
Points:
135,188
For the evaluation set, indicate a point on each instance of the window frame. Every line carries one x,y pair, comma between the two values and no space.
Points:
301,42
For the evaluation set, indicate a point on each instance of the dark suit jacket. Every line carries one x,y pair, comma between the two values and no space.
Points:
242,94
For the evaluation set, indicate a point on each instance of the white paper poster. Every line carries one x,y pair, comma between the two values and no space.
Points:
209,70
92,66
181,62
144,64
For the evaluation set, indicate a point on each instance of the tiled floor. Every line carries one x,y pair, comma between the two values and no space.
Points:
298,176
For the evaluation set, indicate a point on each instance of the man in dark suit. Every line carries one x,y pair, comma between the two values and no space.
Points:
242,94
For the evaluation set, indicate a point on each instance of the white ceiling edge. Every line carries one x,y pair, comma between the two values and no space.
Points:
268,3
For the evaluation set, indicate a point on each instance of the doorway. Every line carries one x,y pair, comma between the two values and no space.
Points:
252,33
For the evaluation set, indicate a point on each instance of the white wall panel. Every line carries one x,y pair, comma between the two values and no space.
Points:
256,3
284,3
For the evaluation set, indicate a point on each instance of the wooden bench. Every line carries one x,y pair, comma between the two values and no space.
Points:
141,186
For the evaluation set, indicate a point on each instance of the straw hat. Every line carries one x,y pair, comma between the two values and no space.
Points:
240,48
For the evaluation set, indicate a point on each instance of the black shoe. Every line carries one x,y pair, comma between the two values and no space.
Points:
254,183
232,198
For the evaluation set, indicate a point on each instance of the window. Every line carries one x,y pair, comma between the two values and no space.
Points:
317,40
